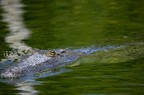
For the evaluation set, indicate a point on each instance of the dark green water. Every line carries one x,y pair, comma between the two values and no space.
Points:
77,23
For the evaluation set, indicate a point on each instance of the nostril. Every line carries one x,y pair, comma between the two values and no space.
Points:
58,54
62,51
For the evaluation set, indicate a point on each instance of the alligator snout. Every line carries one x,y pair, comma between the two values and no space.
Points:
14,73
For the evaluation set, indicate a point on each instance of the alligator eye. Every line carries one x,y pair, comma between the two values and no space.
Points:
52,53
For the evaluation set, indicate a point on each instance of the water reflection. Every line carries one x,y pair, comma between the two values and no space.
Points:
13,16
26,88
95,20
19,87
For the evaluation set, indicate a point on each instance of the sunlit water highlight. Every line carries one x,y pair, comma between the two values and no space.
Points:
13,16
26,88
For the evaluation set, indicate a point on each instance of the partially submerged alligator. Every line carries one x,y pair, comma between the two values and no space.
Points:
45,60
41,62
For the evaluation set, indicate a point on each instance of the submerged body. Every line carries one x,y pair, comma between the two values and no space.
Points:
42,61
47,62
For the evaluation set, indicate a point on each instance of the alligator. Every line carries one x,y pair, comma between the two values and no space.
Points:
37,63
45,60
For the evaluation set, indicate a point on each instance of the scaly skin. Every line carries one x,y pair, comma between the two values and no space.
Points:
40,61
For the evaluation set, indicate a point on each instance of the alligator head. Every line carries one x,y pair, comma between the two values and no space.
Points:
40,61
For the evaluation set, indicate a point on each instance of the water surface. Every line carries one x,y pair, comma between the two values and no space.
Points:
81,23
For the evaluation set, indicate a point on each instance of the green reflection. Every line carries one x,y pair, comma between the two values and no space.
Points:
6,89
76,23
69,23
125,78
